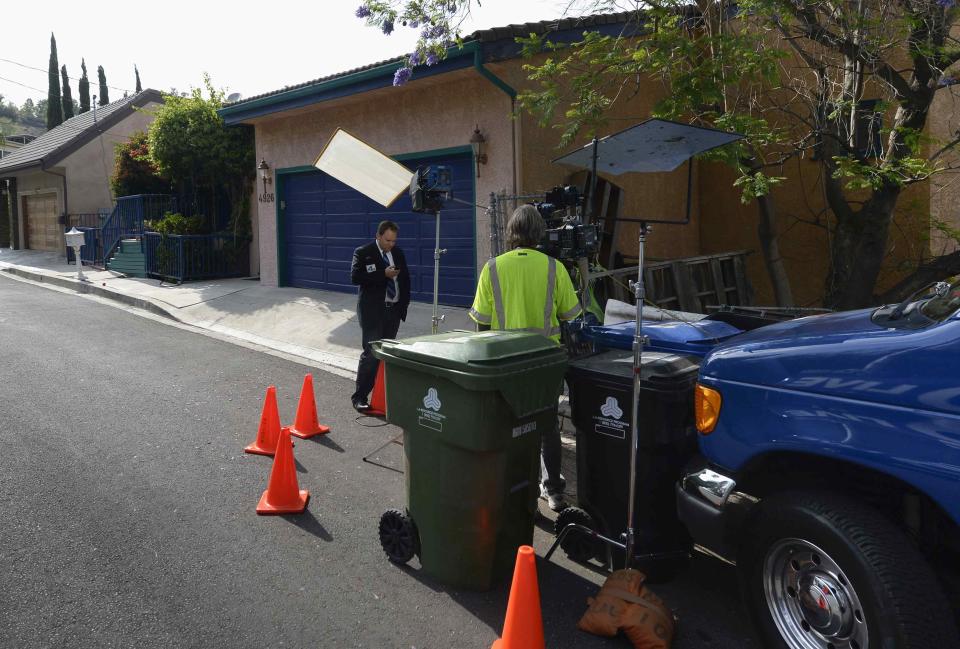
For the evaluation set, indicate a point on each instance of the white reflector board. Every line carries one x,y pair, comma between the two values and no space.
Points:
358,165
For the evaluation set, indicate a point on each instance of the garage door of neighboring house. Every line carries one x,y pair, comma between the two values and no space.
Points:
322,221
42,229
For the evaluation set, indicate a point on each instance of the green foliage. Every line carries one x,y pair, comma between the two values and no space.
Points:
176,223
54,109
84,87
134,171
104,97
66,99
896,172
756,185
190,145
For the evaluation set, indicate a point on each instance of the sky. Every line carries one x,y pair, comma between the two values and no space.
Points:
246,47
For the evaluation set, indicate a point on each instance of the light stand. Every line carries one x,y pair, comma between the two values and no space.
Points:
437,251
639,340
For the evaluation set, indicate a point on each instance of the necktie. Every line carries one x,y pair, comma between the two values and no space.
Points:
391,283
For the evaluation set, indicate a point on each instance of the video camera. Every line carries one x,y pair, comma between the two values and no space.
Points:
430,188
566,238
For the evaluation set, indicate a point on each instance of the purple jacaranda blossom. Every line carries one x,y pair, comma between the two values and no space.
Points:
947,80
433,32
402,76
413,24
362,12
414,59
387,27
432,59
946,4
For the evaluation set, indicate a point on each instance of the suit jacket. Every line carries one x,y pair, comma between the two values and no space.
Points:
366,271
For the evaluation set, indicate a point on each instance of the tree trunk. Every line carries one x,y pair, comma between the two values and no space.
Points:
770,248
857,252
860,239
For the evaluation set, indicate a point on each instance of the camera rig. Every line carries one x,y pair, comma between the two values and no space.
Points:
567,238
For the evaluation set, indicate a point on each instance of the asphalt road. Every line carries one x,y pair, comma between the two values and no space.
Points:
127,507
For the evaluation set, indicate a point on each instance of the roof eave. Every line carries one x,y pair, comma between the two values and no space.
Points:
6,172
363,81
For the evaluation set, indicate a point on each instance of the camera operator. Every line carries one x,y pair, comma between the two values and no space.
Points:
524,289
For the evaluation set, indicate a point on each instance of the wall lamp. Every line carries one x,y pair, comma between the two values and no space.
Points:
478,144
264,169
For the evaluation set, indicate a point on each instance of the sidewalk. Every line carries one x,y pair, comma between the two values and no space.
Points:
320,326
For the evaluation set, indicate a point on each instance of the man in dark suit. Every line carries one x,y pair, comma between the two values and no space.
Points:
380,270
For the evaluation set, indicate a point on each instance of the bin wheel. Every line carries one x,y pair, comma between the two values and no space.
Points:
577,545
398,536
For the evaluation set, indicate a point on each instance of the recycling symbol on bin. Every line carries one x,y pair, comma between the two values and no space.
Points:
432,401
609,409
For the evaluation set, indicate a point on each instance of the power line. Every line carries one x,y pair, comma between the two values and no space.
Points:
30,67
21,84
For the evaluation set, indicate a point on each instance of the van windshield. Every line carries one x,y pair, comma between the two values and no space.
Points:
940,308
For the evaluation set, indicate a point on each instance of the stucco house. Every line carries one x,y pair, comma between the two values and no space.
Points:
306,224
66,171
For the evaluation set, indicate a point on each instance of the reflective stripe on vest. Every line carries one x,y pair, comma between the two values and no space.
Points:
497,297
546,329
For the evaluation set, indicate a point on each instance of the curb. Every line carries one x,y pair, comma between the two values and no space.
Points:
89,288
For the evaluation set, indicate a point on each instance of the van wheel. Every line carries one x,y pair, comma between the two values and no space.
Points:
822,571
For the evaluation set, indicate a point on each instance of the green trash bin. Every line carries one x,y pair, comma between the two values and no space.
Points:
473,407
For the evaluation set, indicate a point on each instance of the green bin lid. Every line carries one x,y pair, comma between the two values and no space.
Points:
472,351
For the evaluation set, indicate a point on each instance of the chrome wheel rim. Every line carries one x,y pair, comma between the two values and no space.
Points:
811,601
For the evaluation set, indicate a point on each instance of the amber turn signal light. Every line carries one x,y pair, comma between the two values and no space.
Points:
706,405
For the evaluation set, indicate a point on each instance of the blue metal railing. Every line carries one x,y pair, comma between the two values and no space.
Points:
86,220
128,216
195,256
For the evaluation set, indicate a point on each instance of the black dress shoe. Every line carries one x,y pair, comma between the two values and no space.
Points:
361,406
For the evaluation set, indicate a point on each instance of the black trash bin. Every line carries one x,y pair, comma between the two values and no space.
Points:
601,392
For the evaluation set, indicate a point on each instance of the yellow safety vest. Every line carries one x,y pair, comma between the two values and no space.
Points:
527,290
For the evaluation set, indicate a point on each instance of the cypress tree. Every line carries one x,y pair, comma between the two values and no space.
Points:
67,97
137,73
54,109
84,88
104,93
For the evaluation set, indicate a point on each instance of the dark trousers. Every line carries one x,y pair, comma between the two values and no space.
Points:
374,328
551,452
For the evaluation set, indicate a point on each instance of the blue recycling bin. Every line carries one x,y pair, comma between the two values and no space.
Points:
693,338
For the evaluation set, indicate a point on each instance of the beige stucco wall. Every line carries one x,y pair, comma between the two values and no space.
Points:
89,168
414,118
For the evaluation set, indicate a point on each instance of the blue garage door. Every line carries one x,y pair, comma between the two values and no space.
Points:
323,221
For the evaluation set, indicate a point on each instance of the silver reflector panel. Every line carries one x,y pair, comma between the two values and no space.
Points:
655,145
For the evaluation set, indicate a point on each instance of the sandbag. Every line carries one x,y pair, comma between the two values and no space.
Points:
624,603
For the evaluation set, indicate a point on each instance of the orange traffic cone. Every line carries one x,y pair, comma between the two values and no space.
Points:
283,494
523,626
306,424
269,431
378,401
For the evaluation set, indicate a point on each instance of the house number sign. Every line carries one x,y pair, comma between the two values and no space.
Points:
266,197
